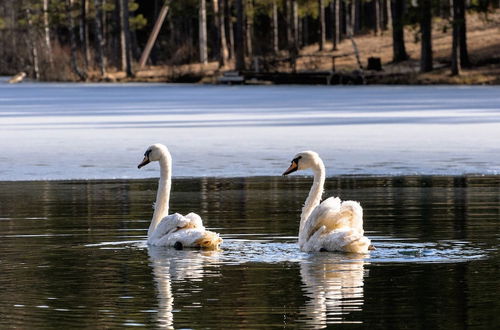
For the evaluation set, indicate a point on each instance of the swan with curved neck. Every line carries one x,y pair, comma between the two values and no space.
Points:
174,230
330,225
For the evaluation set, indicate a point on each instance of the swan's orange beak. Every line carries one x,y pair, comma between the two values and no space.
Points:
293,167
145,161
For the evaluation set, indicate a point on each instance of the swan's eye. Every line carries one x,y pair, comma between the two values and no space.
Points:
296,160
146,154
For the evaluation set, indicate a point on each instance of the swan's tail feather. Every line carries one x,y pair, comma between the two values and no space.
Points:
209,241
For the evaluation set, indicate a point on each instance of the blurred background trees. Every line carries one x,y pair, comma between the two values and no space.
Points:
86,39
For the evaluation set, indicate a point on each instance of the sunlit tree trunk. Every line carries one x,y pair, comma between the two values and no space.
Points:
321,17
125,45
203,32
377,17
398,39
218,7
296,25
46,28
32,43
388,13
249,28
274,22
227,17
426,38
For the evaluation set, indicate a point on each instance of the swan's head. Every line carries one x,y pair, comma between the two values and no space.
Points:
153,154
303,161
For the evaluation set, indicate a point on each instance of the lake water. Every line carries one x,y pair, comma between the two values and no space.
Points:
74,209
73,254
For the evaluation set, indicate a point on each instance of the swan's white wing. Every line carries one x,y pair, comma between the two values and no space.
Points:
187,237
187,230
167,225
324,214
195,220
335,226
335,215
353,215
344,240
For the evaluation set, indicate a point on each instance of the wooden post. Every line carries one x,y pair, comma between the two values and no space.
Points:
154,34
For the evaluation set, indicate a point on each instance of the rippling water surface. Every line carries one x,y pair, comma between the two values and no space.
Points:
73,254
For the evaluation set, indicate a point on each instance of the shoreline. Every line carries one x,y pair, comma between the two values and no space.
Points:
263,177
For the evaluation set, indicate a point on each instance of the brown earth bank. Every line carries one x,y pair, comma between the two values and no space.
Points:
483,41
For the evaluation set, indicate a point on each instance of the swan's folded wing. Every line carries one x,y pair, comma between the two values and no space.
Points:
192,237
169,224
194,220
335,215
346,240
354,211
187,237
325,214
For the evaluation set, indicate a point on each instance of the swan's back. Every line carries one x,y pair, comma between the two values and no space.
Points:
335,226
187,230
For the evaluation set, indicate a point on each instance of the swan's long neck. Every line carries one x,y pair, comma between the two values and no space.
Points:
163,194
314,197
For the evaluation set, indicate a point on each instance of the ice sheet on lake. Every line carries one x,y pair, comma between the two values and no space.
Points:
84,131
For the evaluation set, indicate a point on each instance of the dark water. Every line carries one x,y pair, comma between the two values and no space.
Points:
73,254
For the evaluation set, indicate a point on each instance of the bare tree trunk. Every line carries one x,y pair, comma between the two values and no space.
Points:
46,28
98,38
355,16
125,38
296,27
304,40
426,39
389,13
71,24
274,22
462,31
249,29
154,34
322,32
339,20
376,9
240,35
333,11
203,31
293,49
84,36
398,38
288,20
32,42
221,32
227,17
459,55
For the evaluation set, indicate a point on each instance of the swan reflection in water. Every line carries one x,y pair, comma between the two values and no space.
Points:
173,265
334,285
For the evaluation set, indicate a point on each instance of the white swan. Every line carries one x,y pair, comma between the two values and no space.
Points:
330,225
174,230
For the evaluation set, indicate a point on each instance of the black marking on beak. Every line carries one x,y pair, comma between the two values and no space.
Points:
293,167
146,160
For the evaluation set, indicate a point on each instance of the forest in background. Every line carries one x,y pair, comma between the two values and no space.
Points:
71,40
